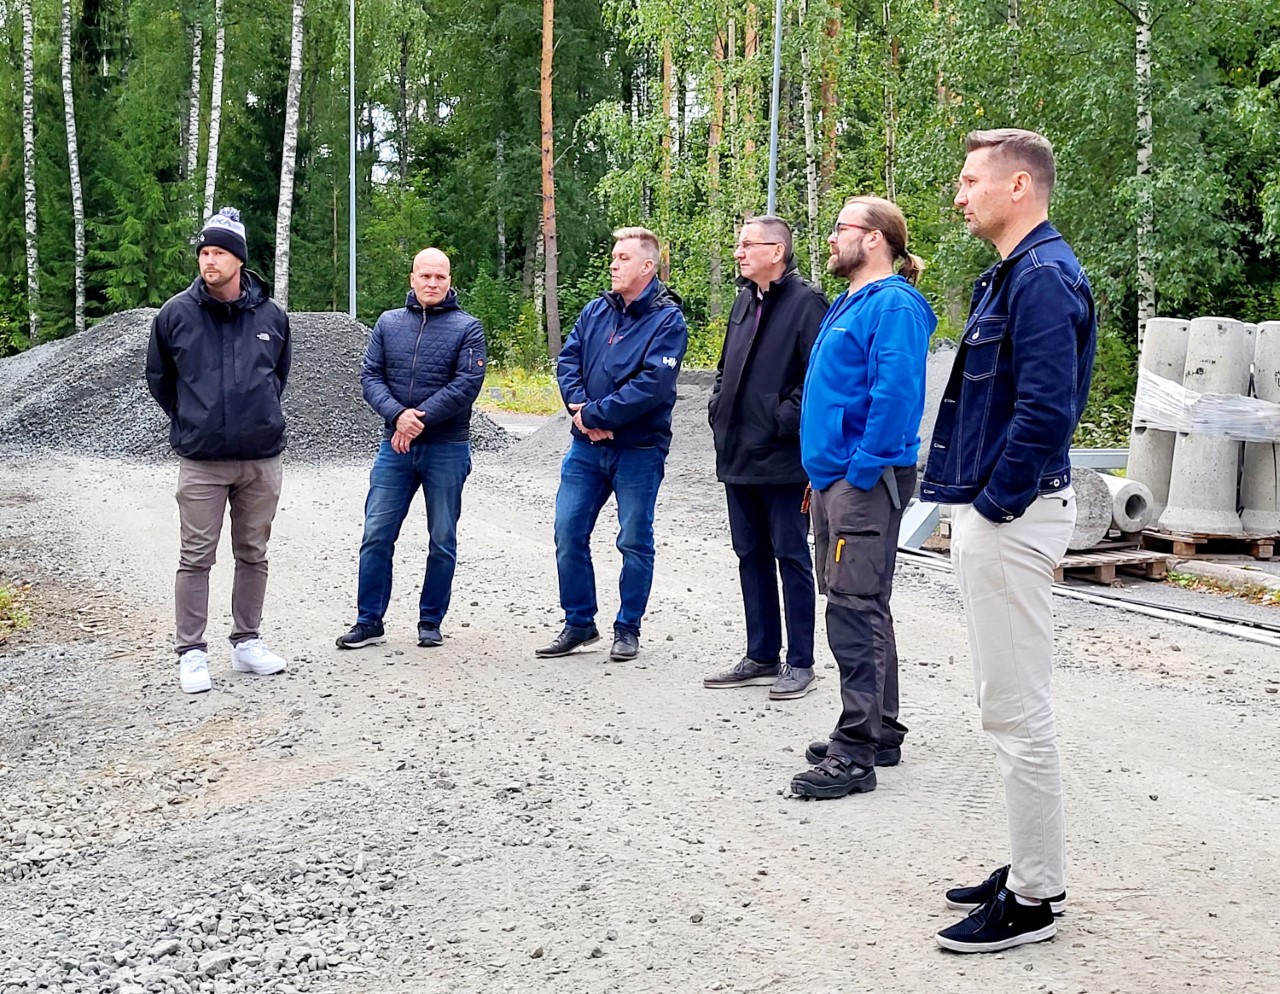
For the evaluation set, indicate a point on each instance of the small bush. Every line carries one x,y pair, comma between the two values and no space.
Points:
14,614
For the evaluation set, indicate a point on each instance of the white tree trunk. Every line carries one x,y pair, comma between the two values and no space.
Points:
539,279
890,108
193,114
499,176
289,160
215,111
810,153
29,170
1146,206
73,159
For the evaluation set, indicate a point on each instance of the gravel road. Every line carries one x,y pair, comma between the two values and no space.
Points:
473,819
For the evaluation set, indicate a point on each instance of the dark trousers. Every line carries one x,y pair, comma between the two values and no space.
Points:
856,544
770,537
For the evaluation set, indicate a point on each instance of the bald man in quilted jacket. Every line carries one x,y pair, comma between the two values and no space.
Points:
421,373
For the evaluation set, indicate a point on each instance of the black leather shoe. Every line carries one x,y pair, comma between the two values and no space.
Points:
625,646
885,755
835,776
568,640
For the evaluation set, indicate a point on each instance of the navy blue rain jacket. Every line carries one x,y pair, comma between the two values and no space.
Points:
430,359
218,369
1019,383
621,361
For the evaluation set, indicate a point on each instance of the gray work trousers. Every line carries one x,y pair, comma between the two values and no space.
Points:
205,488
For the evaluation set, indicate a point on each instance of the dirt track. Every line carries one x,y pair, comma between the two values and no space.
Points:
618,818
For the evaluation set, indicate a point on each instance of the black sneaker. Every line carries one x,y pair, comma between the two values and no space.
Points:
626,646
429,635
360,636
968,898
746,672
835,776
1001,923
568,640
816,752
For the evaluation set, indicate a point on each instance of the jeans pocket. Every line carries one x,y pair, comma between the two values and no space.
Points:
857,563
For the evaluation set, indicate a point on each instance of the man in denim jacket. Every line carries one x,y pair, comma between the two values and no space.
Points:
1000,452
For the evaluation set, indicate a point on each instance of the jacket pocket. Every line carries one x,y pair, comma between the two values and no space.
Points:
983,339
857,562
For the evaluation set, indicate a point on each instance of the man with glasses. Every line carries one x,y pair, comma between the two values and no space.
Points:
755,418
859,437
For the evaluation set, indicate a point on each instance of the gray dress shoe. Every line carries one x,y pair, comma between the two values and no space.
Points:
793,682
746,672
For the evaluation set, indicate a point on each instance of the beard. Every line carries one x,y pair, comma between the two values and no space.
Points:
847,261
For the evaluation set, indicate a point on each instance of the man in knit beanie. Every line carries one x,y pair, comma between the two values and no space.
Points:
217,364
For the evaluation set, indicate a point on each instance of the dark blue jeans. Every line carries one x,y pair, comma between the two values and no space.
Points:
588,475
770,537
439,469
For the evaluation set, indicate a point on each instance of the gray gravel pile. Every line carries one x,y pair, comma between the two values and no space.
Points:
88,393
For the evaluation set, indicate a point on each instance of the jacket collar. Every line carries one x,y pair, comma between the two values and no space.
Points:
450,303
253,291
1041,233
655,295
792,271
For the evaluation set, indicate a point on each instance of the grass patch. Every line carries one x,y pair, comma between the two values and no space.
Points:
1254,593
521,390
14,613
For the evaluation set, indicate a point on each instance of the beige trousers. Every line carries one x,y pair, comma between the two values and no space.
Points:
205,488
1006,578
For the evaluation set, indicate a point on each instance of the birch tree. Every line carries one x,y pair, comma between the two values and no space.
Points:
215,110
73,160
549,180
810,150
29,170
193,104
289,160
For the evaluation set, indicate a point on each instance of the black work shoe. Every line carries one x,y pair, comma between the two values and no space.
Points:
793,682
568,640
885,755
835,776
360,636
626,645
746,672
429,635
1001,923
968,898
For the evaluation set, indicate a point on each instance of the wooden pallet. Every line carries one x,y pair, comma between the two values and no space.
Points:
1102,566
1190,545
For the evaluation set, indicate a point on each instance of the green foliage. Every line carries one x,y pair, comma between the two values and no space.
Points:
14,613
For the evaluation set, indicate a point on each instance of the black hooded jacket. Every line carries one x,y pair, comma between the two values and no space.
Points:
755,405
218,369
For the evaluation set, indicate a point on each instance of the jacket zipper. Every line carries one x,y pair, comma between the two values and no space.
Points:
413,370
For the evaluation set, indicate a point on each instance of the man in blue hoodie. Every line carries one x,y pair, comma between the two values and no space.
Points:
422,372
617,374
859,438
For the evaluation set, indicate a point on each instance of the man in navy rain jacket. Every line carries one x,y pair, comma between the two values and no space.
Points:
859,438
617,374
422,372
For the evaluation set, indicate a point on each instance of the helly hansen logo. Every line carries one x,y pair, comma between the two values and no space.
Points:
670,360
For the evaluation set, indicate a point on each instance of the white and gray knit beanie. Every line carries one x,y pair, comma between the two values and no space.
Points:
225,230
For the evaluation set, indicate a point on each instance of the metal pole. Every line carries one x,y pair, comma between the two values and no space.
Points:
351,186
773,108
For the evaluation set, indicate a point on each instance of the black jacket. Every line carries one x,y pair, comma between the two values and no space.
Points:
218,369
755,405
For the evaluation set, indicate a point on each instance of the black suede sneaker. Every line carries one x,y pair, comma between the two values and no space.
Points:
834,777
968,898
816,752
1001,923
361,635
626,646
429,635
569,639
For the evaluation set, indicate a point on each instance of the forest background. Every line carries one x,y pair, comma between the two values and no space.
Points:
515,134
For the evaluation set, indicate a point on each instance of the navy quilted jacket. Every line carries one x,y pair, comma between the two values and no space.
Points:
430,359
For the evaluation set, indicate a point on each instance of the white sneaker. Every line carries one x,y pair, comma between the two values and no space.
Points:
253,656
193,672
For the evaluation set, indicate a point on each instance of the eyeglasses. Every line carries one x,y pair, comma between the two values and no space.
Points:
841,226
751,245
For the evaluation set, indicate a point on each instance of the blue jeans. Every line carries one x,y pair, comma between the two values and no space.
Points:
588,475
439,469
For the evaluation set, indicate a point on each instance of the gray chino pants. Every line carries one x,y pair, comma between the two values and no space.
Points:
205,488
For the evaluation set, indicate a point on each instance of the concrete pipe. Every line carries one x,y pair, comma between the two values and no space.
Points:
1203,483
1260,483
1130,503
1093,508
1164,352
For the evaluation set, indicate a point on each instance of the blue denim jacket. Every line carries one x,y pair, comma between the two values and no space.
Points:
1019,383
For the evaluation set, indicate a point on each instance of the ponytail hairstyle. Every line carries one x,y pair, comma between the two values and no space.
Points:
886,217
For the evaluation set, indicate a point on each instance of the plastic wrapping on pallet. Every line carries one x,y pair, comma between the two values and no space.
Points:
1169,406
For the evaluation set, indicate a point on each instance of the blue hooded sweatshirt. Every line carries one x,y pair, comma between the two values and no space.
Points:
864,391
